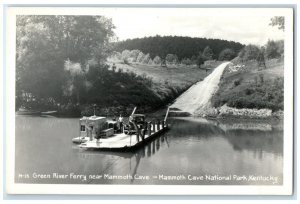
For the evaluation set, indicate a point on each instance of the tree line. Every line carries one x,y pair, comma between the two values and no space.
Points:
182,47
137,56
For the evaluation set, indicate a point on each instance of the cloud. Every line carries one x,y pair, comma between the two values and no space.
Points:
250,26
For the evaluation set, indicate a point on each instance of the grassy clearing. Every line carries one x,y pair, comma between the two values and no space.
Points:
252,87
174,75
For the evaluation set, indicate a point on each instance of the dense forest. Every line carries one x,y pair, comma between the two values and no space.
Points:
183,47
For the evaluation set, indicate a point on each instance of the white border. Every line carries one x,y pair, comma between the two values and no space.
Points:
285,189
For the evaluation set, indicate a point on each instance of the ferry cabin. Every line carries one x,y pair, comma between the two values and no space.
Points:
95,127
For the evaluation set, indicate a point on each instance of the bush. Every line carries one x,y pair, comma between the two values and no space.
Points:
274,49
227,54
186,61
237,82
249,91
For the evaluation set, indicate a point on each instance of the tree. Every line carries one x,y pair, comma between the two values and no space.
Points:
194,59
150,62
227,54
280,46
163,62
172,59
75,83
140,57
278,21
274,49
125,54
146,59
200,59
134,54
157,60
249,52
261,58
39,64
44,43
208,53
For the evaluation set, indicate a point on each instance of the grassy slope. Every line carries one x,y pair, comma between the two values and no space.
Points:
252,87
174,75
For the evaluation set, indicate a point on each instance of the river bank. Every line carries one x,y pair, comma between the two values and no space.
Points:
248,85
229,112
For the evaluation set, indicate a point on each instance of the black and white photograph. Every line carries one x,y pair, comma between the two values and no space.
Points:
121,100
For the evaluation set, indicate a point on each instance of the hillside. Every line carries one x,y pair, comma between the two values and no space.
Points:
156,86
183,47
175,75
246,85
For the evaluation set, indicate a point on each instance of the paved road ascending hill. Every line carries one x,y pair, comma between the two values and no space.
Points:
198,97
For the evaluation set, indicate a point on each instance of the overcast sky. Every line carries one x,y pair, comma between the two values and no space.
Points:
241,25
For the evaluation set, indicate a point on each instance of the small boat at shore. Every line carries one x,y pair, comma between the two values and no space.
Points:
49,113
100,133
23,111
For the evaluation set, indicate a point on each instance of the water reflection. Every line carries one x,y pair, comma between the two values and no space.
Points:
256,136
134,158
192,146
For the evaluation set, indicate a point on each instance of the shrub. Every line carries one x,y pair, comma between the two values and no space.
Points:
227,54
186,61
238,81
249,91
274,49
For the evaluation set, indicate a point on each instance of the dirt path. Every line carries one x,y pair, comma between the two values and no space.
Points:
196,100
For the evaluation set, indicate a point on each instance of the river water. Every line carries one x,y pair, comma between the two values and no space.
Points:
194,151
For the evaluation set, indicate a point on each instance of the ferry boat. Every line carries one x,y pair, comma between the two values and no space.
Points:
100,133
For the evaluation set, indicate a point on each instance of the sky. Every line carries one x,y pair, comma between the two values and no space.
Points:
247,26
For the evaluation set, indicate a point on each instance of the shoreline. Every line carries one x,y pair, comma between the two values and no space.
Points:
221,113
247,113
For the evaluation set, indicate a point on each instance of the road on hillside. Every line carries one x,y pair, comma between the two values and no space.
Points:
198,98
